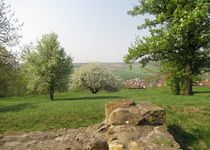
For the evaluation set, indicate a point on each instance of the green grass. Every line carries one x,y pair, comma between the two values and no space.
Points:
137,71
188,117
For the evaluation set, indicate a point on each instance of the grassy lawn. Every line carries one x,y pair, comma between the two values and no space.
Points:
188,118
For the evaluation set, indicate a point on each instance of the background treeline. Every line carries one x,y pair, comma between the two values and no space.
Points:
12,81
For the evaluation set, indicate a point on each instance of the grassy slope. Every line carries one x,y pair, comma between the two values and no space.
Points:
188,118
137,71
123,71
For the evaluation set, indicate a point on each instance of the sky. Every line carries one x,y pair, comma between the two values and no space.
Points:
88,30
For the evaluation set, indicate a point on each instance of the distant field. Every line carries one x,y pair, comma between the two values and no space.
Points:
125,72
151,71
188,117
136,71
206,76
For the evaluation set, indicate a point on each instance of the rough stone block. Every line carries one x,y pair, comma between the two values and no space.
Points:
122,113
112,105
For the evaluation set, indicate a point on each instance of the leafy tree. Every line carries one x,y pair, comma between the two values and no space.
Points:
48,65
11,82
179,38
94,77
9,26
9,36
7,67
174,76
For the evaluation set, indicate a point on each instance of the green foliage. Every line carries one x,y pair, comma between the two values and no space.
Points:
174,76
95,77
7,68
48,65
9,27
11,81
179,36
187,117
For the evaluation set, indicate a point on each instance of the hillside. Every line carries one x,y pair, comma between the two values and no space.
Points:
136,71
151,71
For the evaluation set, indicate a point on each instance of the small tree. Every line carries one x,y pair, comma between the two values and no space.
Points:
95,77
48,64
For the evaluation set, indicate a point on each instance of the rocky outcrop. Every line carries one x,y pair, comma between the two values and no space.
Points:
131,114
128,126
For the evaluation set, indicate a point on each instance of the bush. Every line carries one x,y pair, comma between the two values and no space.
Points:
95,77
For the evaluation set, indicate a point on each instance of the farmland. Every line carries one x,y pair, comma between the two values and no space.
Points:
136,71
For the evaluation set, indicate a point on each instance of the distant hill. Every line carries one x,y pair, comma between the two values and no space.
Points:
151,71
125,72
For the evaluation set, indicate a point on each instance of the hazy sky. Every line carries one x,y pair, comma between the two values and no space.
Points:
89,30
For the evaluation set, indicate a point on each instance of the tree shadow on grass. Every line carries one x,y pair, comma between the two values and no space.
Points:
90,98
197,92
16,108
183,138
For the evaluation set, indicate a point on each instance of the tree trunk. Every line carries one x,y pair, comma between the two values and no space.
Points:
51,91
94,91
4,94
188,86
188,79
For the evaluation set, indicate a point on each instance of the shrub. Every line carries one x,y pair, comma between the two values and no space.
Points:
94,77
